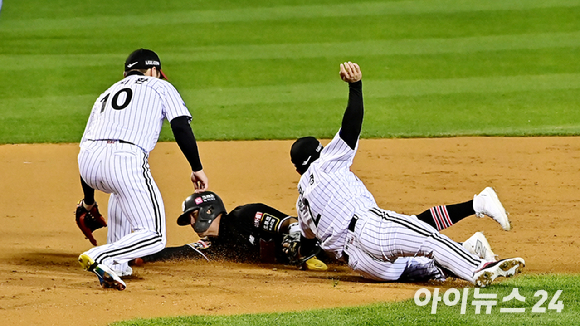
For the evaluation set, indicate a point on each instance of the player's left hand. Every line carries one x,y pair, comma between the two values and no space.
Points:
89,221
200,181
350,72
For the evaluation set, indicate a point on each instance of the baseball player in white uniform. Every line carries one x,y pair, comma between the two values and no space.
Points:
335,207
122,129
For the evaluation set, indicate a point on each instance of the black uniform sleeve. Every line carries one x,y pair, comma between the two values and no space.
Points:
88,192
353,116
259,219
186,141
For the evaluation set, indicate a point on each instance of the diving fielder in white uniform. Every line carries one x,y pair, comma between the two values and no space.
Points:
122,129
335,207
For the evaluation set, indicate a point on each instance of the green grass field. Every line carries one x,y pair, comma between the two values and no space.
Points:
535,310
268,70
252,69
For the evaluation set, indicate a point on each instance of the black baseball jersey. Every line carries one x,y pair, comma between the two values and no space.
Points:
245,234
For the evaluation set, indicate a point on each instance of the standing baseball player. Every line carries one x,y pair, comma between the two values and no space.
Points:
335,207
251,233
122,130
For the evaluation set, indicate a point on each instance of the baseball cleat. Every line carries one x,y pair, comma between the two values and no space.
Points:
479,246
314,264
123,272
501,268
107,278
87,263
487,203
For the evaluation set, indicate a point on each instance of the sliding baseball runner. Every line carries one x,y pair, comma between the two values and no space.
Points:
250,233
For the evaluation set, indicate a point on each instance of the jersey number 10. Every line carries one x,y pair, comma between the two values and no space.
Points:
115,100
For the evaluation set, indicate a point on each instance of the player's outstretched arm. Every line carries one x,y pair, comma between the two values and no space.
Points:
186,140
353,116
187,251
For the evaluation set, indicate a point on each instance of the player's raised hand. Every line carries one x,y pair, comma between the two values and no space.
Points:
350,72
200,181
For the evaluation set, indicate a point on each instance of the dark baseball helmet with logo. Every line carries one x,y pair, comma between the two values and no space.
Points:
209,205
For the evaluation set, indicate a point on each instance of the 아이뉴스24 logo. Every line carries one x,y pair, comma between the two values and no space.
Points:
452,297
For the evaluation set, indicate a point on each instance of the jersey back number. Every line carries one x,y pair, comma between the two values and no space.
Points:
115,100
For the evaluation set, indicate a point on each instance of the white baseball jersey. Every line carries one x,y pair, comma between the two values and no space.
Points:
133,110
330,195
123,128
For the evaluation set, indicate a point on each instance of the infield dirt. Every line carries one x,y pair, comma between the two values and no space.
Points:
42,284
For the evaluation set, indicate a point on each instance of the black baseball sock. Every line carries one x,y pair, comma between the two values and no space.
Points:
442,217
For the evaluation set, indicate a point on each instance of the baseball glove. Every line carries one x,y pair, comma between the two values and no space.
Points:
291,243
89,220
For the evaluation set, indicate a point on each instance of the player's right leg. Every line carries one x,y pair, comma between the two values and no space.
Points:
107,277
486,203
369,267
403,269
444,216
387,236
137,206
139,202
119,227
478,245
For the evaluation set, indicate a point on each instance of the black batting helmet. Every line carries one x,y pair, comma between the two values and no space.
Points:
209,205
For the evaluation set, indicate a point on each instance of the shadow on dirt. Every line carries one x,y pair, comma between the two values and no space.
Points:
45,258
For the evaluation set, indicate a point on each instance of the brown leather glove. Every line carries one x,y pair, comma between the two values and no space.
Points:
89,220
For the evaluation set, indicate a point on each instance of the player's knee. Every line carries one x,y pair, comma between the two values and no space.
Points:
162,240
156,239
